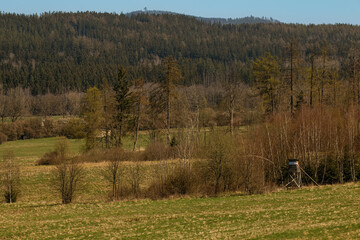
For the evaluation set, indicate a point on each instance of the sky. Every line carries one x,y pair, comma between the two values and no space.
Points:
288,11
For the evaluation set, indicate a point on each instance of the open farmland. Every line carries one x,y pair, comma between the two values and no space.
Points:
311,212
325,212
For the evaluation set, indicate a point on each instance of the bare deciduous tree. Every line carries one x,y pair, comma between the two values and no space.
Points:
73,100
67,174
113,173
141,100
135,177
10,177
18,102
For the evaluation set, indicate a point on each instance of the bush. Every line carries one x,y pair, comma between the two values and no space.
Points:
157,151
156,190
219,153
29,128
10,197
123,191
74,129
32,128
49,158
105,155
66,179
13,131
114,172
248,175
181,181
135,177
50,128
10,177
61,152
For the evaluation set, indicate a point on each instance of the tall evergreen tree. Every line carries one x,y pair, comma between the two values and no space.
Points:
267,74
124,100
171,76
92,111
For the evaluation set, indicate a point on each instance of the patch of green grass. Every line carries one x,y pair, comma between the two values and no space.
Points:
143,141
37,147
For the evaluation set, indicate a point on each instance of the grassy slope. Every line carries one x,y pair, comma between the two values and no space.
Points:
37,147
325,212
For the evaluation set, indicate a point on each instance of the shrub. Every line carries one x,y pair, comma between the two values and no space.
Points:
68,173
32,128
105,155
10,177
218,166
180,181
135,177
66,177
61,152
29,128
49,158
114,173
13,131
157,151
122,191
74,129
3,138
248,175
156,190
50,128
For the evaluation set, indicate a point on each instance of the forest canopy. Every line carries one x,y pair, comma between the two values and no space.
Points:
57,52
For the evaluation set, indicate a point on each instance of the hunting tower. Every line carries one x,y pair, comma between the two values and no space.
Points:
294,174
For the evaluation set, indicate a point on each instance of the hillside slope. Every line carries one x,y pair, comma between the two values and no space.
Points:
60,51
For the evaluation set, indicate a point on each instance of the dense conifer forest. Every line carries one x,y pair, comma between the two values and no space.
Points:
57,52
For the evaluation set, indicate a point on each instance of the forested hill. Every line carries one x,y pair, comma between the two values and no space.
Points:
61,51
250,19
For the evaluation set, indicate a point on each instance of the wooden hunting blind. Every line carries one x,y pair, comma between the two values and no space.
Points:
294,174
294,166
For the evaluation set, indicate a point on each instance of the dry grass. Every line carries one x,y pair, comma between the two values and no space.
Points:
325,212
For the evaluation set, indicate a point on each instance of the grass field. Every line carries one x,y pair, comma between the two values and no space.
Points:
314,212
330,212
37,147
31,148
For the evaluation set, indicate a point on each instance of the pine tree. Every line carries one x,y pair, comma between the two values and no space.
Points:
267,74
124,100
92,111
171,76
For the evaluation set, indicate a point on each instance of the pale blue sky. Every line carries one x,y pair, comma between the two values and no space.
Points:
290,11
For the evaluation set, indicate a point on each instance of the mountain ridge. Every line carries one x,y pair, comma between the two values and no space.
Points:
242,20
